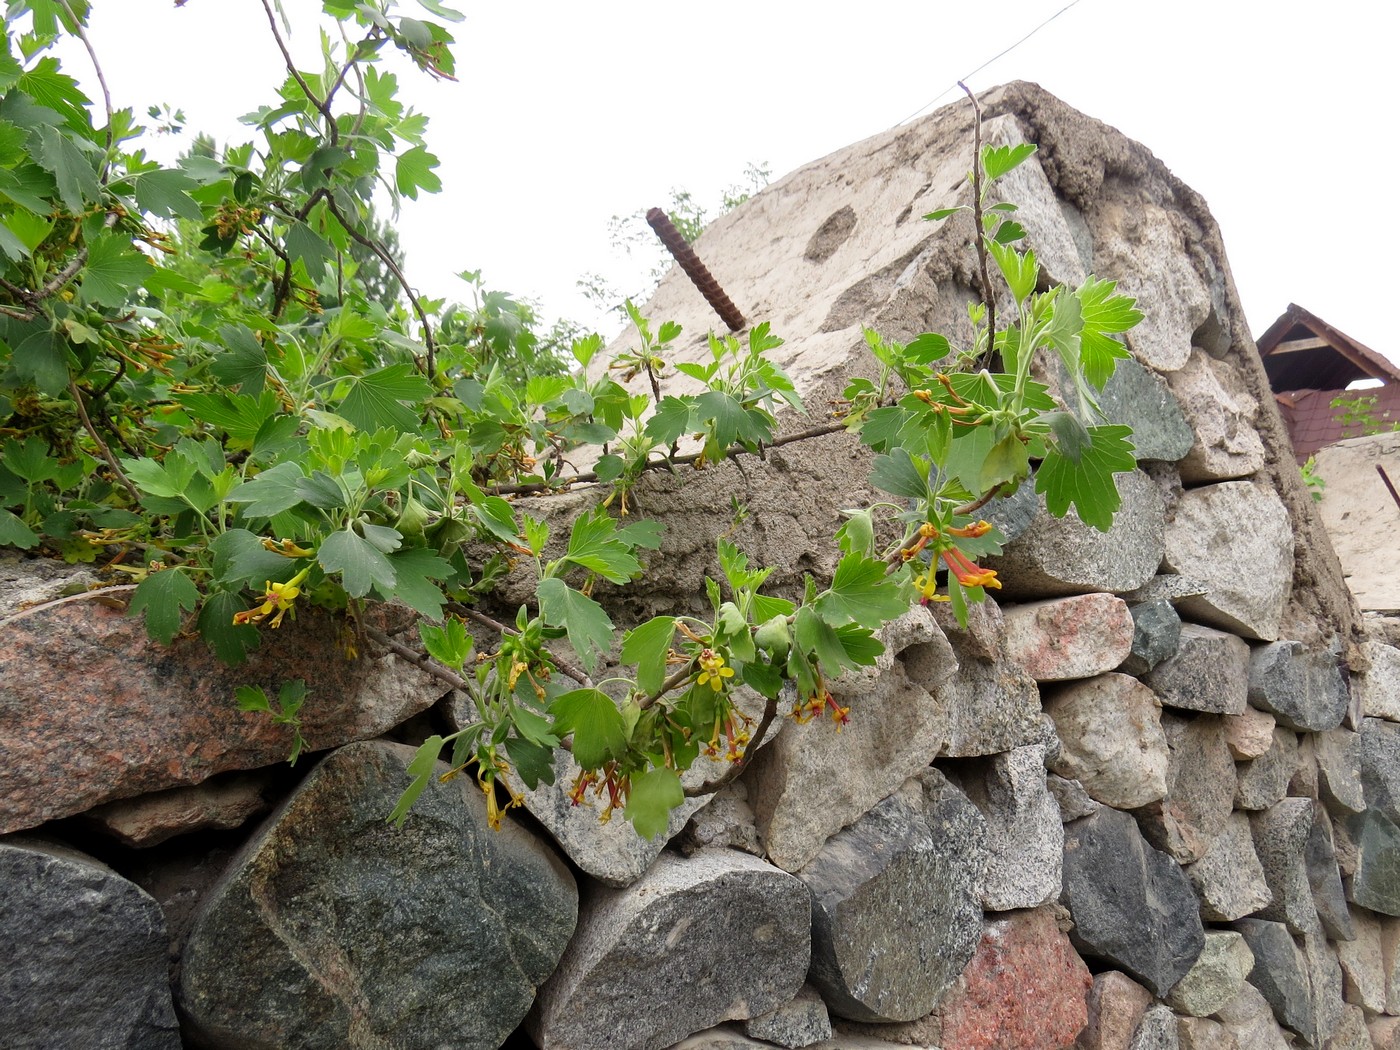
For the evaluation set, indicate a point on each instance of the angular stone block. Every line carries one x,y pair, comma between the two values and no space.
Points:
1063,556
220,803
1281,974
1025,836
1142,400
1156,634
811,781
1200,788
1376,881
1262,782
1280,839
1303,688
333,927
1363,964
1157,1030
1025,987
1217,976
179,724
1250,733
798,1023
993,704
1116,1006
1131,904
895,914
1338,754
1111,739
728,929
1208,673
1378,689
82,951
1229,878
1380,766
1325,879
1222,414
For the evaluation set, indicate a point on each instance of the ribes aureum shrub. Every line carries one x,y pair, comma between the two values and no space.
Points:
204,384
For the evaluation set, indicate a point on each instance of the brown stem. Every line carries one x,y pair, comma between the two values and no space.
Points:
98,593
81,34
709,787
565,668
430,364
420,660
666,686
670,462
96,437
977,504
322,107
988,296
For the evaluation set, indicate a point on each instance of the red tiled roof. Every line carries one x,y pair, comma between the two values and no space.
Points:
1312,421
1303,352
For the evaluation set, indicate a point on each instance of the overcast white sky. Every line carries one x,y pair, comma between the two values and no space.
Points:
1280,113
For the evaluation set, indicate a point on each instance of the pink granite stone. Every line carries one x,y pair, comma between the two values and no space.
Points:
1067,638
1025,987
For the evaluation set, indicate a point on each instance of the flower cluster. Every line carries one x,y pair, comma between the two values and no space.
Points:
278,599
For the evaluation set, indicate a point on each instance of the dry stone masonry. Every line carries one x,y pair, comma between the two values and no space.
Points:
1148,799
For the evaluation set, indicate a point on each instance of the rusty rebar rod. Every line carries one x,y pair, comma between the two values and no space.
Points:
701,277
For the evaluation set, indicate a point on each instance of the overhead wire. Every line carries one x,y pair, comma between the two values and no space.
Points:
1000,54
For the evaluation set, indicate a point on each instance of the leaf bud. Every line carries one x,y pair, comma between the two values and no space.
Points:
774,637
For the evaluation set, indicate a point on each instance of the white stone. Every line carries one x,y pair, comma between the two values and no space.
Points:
1223,415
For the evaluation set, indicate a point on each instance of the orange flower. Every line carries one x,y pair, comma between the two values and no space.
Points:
968,573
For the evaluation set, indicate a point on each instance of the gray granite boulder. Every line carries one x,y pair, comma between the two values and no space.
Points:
1325,879
83,954
1263,781
813,781
1141,399
1111,739
1376,882
1200,788
1280,838
1208,672
895,914
1237,538
1156,1031
1131,904
1378,688
1281,974
993,703
1156,634
1363,964
1061,556
1222,414
1338,755
1303,688
798,1023
333,927
1025,835
1380,766
718,936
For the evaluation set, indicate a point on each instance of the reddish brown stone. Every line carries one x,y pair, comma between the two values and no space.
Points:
1025,987
220,803
1116,1005
91,710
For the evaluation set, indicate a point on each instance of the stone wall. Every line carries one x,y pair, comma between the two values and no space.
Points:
1151,799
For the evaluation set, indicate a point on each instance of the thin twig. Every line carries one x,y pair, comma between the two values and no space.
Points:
977,504
565,668
81,34
709,787
987,295
106,452
676,679
323,107
97,592
669,462
420,660
430,363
